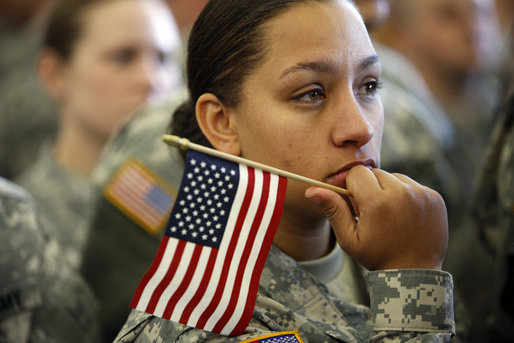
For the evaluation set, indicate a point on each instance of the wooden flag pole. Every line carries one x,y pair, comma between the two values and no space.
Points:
184,144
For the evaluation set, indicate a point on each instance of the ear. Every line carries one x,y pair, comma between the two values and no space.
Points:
216,123
50,70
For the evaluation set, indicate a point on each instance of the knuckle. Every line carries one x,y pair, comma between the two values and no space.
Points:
330,212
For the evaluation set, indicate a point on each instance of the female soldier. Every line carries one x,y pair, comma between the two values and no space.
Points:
100,61
293,84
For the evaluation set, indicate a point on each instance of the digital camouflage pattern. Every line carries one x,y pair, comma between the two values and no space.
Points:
64,202
42,299
419,303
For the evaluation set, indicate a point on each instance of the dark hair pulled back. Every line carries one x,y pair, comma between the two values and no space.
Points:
226,44
64,25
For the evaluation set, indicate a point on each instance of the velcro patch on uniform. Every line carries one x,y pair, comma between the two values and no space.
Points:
279,337
141,195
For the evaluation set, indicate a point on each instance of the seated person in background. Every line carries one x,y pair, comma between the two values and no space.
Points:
122,237
41,298
411,114
455,47
100,62
120,233
482,256
268,83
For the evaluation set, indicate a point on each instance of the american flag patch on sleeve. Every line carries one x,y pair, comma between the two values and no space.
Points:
279,337
141,195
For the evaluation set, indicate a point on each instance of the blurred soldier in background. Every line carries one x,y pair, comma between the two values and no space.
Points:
42,299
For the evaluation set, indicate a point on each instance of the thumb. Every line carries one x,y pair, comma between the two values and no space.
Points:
337,211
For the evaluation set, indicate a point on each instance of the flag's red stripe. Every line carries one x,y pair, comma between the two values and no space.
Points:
230,252
261,260
245,255
195,300
191,267
153,268
167,278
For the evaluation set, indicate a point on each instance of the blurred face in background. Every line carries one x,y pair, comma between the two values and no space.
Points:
456,35
123,58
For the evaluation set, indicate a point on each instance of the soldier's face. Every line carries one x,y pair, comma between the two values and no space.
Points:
312,106
123,59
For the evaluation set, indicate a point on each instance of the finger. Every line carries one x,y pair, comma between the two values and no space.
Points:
337,211
362,183
390,181
332,204
385,180
406,179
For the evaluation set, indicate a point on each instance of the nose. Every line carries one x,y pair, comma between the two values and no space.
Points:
353,125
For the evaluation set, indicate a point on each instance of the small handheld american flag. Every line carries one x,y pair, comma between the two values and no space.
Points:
207,269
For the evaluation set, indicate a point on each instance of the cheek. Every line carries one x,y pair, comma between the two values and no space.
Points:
99,101
378,123
106,87
95,86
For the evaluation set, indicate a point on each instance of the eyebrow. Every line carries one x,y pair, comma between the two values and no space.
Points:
328,67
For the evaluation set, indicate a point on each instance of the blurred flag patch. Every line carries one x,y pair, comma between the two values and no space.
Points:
141,195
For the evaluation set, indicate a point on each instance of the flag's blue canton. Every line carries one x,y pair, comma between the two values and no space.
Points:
159,199
290,338
204,201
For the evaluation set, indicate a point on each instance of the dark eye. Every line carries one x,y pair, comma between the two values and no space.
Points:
311,96
162,57
369,89
123,56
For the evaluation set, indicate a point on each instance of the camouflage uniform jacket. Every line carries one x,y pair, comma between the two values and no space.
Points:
64,202
407,305
41,298
494,216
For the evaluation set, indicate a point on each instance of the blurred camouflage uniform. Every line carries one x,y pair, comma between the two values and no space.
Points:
496,205
417,135
41,298
119,249
27,115
64,202
407,304
482,254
